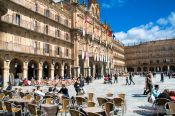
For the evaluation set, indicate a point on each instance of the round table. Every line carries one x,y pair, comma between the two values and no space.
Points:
50,109
94,110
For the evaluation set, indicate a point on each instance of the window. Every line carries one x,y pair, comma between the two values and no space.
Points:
157,61
18,19
66,22
46,12
46,48
35,25
67,52
57,33
58,51
36,7
67,36
46,29
57,18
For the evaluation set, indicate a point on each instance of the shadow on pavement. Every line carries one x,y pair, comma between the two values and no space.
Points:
138,95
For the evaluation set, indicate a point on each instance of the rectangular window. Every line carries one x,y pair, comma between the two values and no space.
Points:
46,48
58,51
18,19
35,25
57,33
46,12
67,52
57,18
46,29
67,36
36,7
66,22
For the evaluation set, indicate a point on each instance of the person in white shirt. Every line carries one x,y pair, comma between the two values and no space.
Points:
39,92
155,92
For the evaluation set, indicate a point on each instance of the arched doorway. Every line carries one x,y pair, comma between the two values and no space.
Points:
1,73
145,69
165,69
16,69
32,70
66,70
151,69
158,69
57,69
91,65
139,69
46,69
130,69
172,68
98,68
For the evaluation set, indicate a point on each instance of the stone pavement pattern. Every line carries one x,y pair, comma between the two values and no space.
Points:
137,104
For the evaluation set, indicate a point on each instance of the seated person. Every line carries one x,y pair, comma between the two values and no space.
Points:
64,90
55,88
165,94
50,92
39,92
155,92
9,87
25,82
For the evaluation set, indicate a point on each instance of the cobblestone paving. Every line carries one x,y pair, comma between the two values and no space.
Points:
137,104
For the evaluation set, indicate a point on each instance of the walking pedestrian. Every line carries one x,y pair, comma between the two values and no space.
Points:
131,78
116,78
127,81
162,77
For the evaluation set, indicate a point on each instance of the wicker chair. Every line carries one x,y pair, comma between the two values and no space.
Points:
93,114
27,97
109,94
101,100
65,106
74,112
48,100
109,107
34,110
160,105
80,100
15,110
90,104
119,104
171,108
2,108
90,96
2,95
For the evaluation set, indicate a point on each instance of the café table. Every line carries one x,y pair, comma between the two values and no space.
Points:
98,110
50,109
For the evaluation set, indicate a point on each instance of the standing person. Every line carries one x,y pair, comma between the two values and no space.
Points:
110,78
77,86
131,78
82,84
116,78
169,75
162,77
127,81
149,83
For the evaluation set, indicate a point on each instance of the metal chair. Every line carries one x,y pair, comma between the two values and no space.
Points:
65,106
34,110
109,107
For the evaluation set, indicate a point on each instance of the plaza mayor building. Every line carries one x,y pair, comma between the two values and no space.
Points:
155,56
43,38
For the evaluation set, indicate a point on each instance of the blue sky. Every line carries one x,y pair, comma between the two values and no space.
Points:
134,21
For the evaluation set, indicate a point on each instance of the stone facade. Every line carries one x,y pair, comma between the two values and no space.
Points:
151,56
41,38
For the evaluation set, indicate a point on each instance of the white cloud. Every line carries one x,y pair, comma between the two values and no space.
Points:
164,28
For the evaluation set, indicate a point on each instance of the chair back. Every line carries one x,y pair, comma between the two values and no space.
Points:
93,114
118,101
122,95
74,112
48,96
101,100
1,106
65,104
109,94
108,108
171,107
79,100
90,96
8,106
32,109
161,101
37,98
49,100
90,104
2,95
27,97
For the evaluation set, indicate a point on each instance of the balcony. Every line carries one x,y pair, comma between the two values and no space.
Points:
15,47
33,27
31,6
